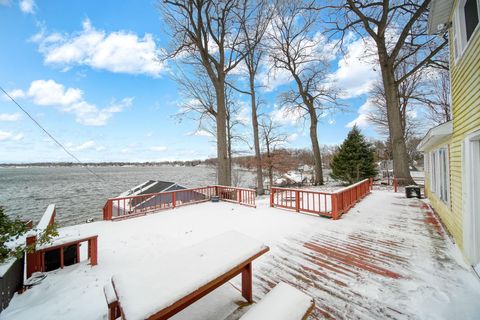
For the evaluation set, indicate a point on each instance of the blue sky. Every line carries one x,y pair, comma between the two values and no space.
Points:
86,71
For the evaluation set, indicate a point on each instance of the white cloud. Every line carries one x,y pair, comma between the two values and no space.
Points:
70,100
274,78
27,6
355,73
10,136
83,146
10,116
200,133
292,137
158,148
49,92
120,52
284,115
362,119
16,93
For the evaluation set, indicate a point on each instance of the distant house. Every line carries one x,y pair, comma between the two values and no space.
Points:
452,150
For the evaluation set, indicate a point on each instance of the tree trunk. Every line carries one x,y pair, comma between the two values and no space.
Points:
270,166
222,154
229,149
399,149
256,139
318,179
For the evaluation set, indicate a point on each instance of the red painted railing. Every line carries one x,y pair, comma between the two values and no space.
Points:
329,204
125,207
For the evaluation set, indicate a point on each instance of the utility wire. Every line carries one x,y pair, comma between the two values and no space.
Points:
52,137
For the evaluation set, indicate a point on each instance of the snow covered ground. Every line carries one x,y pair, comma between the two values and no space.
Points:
387,258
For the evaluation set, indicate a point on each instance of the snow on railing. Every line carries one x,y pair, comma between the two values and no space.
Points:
125,207
329,204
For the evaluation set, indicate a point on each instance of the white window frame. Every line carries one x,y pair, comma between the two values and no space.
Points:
471,196
459,32
440,173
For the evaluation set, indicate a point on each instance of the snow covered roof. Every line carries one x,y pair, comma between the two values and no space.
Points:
439,15
151,186
435,136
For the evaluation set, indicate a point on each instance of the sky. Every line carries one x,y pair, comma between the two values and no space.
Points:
87,72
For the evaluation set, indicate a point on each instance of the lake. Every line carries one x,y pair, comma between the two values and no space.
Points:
79,195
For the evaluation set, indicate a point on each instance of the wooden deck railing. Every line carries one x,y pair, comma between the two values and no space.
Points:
329,204
126,207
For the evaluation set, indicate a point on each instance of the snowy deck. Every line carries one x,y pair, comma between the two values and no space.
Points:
387,258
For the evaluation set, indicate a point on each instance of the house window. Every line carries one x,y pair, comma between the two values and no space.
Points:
465,22
471,17
440,174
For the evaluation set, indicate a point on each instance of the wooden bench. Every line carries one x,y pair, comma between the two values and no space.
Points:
283,302
164,288
112,302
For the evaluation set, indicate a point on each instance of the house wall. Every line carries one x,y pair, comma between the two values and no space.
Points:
465,82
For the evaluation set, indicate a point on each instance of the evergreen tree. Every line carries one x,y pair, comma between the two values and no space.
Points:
354,159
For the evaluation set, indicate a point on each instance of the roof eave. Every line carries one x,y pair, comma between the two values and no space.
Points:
439,14
435,136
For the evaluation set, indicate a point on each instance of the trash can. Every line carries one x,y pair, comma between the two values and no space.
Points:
413,191
215,198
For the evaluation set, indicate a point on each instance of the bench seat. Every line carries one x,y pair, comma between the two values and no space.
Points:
283,302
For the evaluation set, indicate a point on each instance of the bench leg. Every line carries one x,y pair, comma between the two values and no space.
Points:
114,311
247,283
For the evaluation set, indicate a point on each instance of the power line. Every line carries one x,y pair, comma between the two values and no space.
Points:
52,137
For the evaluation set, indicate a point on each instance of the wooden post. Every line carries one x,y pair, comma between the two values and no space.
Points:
92,251
297,201
395,184
247,283
335,214
272,194
62,262
174,199
239,196
32,257
107,212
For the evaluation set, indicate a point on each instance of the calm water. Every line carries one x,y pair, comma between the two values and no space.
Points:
79,195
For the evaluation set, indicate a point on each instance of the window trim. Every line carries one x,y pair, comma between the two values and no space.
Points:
459,31
471,224
435,174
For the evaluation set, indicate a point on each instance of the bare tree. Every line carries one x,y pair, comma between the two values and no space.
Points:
253,28
410,92
208,32
199,104
399,33
272,137
437,99
297,47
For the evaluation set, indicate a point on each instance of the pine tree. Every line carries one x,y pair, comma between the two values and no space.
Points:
354,159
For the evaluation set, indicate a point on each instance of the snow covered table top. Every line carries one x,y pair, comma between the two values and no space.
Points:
153,288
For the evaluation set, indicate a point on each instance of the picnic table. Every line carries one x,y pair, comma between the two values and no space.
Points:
160,291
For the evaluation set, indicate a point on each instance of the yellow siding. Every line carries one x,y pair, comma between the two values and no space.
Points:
465,82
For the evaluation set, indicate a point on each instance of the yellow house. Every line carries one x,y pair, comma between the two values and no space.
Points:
452,150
